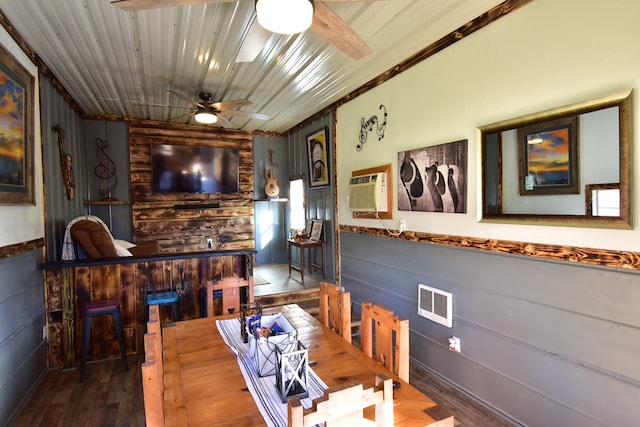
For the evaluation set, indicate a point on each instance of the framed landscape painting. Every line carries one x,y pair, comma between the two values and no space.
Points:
16,132
548,157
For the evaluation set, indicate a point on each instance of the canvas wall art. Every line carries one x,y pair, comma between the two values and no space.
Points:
433,179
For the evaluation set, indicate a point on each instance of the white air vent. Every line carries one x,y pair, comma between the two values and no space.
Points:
435,304
368,193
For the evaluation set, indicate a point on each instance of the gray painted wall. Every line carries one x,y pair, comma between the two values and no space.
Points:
271,217
59,209
22,316
546,343
319,200
290,157
116,135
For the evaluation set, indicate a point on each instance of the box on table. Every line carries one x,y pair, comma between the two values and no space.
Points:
263,349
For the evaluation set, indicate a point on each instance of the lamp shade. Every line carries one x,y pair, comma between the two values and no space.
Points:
285,16
206,117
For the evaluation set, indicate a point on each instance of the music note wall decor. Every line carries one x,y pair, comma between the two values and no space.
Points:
105,170
369,125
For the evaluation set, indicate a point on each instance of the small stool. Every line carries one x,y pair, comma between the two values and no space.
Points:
163,298
97,308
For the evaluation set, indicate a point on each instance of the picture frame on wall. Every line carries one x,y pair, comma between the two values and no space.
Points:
318,158
548,157
16,132
316,230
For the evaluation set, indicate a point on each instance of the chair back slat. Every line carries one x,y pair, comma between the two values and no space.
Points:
378,329
152,381
335,309
230,287
154,312
153,406
345,405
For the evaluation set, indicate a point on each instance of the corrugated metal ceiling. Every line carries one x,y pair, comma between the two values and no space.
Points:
121,64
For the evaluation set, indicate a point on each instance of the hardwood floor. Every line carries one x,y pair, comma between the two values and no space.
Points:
107,397
110,397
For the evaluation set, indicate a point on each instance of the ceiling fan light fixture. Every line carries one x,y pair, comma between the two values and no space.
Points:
285,16
206,117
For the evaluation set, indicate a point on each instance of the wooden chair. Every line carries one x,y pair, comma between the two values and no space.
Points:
386,325
152,382
154,313
230,287
154,328
335,309
344,406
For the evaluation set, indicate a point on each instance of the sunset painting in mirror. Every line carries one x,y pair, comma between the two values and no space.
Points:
548,155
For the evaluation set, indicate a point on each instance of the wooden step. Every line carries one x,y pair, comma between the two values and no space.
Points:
308,299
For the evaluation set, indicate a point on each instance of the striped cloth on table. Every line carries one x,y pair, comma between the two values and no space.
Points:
263,389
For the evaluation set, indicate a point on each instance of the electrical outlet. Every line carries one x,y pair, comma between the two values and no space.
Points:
454,344
209,243
44,332
403,225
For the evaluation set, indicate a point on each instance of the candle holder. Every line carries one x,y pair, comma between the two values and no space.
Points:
292,362
246,312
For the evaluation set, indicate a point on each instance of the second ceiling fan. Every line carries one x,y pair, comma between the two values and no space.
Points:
207,112
325,22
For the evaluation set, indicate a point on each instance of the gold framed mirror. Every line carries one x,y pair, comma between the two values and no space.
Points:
567,166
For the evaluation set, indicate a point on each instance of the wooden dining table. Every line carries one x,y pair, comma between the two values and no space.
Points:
204,386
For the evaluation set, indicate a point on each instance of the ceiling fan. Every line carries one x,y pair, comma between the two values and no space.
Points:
207,112
324,22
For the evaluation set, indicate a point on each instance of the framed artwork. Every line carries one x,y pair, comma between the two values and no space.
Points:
16,132
307,229
434,179
548,157
318,159
316,230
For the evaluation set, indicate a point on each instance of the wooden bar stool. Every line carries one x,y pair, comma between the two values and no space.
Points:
97,308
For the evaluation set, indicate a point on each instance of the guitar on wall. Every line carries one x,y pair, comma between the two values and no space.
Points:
272,190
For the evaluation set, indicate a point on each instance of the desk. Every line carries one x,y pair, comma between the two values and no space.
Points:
305,244
203,385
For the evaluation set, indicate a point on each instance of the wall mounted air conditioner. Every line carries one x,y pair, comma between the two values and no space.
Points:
368,193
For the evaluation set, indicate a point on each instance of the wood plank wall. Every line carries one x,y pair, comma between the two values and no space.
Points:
155,216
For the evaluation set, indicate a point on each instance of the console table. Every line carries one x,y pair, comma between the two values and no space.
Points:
302,245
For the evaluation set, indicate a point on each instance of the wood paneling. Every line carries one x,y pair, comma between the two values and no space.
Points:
180,229
70,285
602,257
19,248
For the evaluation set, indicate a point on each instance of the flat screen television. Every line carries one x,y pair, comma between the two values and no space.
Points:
194,169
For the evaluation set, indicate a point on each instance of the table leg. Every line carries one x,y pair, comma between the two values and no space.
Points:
323,265
289,258
302,264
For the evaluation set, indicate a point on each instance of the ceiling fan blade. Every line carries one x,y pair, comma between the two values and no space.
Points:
135,5
337,32
184,98
181,116
247,114
230,104
224,122
253,42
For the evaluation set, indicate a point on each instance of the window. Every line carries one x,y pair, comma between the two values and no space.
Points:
606,202
296,204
